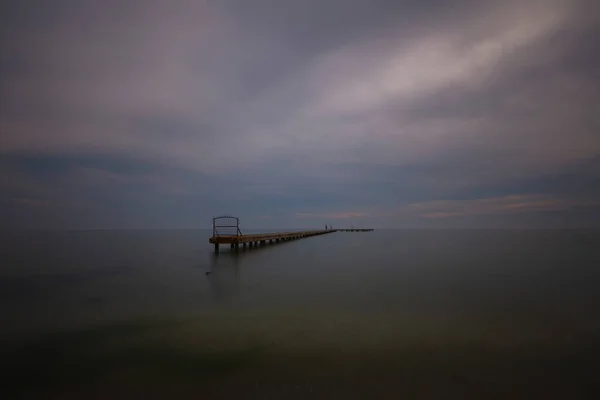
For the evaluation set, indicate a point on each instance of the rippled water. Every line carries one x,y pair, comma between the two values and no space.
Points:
360,315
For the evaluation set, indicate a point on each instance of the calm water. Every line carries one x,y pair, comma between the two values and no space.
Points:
384,314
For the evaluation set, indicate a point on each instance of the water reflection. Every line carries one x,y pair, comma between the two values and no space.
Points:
224,276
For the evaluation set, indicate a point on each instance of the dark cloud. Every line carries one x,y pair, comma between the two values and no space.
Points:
161,113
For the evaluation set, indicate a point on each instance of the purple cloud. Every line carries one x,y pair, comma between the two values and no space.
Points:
335,113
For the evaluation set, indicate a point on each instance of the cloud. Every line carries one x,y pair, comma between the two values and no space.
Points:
331,108
30,202
495,206
326,216
438,59
441,209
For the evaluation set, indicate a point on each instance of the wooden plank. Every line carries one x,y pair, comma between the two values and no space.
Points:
274,237
266,236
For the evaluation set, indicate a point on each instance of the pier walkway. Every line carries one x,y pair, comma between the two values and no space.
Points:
262,238
230,233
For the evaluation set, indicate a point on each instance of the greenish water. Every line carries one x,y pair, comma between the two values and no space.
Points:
491,314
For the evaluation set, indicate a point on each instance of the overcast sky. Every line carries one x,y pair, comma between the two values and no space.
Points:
297,113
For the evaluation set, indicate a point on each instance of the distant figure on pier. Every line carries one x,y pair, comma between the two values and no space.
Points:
325,226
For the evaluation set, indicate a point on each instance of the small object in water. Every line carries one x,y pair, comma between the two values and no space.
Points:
208,272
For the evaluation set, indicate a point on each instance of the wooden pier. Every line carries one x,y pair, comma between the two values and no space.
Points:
232,235
262,239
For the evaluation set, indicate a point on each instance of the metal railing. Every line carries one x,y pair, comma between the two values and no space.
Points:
227,228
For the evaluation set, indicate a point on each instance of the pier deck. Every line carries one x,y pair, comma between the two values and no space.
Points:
229,232
259,239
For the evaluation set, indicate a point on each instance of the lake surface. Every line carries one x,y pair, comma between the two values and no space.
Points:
384,314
